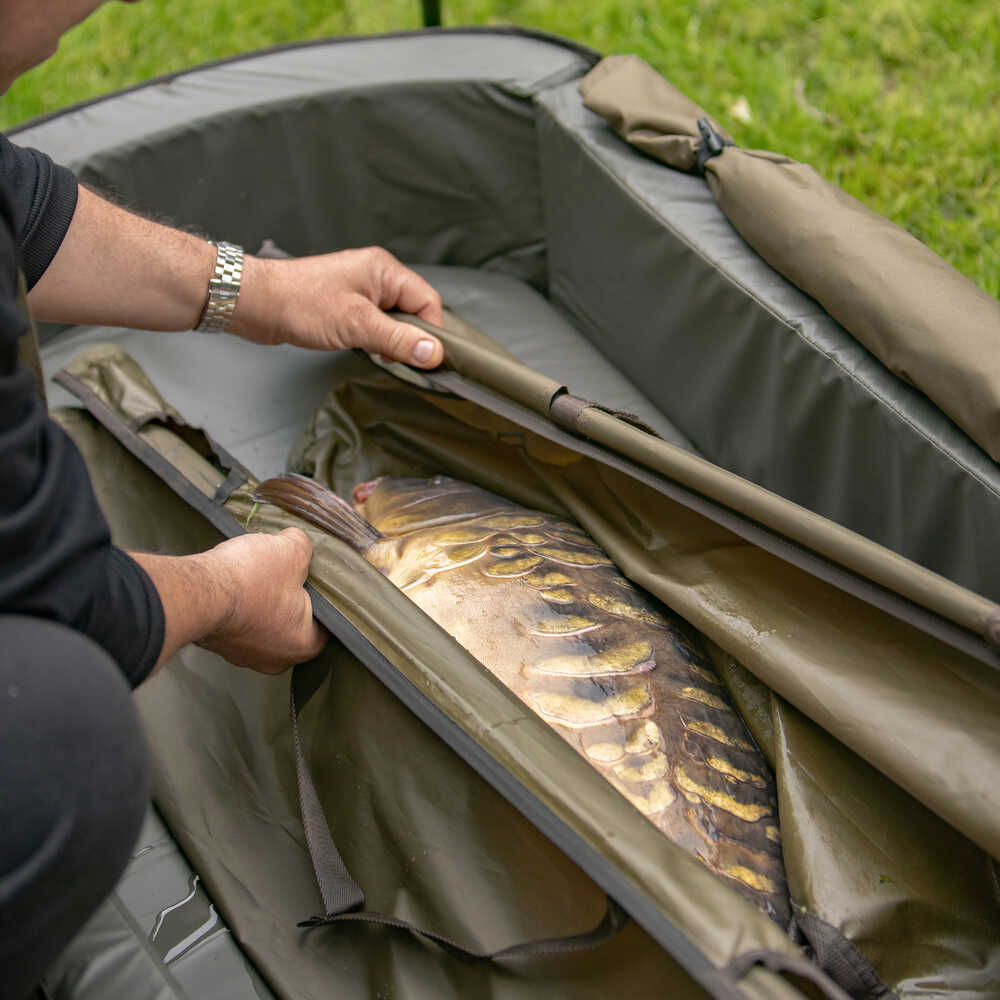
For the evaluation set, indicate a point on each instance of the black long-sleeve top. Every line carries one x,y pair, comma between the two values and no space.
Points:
56,556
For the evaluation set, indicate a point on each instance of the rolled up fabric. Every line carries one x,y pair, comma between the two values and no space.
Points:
921,318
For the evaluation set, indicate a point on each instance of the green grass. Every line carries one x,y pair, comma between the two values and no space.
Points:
898,101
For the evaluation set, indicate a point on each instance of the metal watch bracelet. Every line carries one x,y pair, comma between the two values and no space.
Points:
223,288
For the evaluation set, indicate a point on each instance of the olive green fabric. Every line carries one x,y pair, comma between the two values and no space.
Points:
907,870
484,363
754,372
722,924
374,424
916,313
898,848
425,836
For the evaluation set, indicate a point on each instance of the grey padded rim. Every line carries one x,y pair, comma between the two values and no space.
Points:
524,62
587,54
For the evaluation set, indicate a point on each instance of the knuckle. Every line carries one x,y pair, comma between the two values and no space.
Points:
301,543
295,534
397,339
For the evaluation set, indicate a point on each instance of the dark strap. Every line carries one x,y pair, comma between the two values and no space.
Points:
343,899
780,962
837,956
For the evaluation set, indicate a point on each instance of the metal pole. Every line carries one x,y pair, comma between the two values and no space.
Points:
432,13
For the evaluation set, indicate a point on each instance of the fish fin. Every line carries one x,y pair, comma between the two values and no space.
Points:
319,506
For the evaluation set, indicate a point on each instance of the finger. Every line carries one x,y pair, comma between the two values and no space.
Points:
378,333
301,545
414,295
316,637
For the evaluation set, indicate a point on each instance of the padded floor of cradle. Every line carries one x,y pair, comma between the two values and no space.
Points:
255,400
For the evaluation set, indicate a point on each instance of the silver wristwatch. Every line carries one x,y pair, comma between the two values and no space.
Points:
223,288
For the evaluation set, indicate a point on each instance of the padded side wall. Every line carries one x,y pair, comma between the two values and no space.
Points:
435,172
752,371
424,144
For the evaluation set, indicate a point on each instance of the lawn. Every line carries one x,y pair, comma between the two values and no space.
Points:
895,100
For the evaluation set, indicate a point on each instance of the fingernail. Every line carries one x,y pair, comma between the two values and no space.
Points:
423,351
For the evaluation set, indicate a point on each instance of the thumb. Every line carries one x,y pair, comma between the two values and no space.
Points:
379,333
301,547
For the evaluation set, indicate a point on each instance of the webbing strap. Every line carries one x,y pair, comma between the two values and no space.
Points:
779,961
341,894
343,898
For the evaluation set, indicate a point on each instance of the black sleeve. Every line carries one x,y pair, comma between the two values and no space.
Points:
43,198
56,556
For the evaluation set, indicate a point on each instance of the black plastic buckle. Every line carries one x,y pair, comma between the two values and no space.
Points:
711,143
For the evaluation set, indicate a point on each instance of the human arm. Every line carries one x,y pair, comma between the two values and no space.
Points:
243,599
118,269
59,562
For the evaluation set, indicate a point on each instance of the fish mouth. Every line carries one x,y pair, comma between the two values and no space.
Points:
364,490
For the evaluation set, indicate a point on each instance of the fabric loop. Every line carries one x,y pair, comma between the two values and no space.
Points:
838,956
565,410
612,922
777,961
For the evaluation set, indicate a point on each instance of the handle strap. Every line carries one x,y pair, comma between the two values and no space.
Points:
343,898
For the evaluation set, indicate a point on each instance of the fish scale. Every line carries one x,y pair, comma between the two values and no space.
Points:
613,671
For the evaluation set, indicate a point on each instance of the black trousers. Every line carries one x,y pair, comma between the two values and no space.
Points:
73,790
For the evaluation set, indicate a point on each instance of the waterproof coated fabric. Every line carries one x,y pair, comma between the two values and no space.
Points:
906,866
977,618
916,313
903,864
427,837
688,900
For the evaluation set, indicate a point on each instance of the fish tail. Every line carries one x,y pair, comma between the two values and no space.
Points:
319,506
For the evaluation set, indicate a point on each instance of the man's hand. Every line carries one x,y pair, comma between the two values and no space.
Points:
336,300
244,600
117,269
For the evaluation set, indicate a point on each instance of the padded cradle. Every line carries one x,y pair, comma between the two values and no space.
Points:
470,154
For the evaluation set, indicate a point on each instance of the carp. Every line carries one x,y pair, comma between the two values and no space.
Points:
617,674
